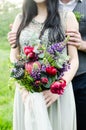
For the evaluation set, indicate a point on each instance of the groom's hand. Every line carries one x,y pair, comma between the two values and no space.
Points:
12,38
75,38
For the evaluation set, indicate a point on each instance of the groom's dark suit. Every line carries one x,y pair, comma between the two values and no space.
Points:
79,81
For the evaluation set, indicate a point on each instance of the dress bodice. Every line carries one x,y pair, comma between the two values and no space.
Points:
30,34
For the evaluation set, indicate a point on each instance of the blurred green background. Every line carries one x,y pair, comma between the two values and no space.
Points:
8,12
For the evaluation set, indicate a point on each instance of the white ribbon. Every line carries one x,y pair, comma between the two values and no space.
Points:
36,114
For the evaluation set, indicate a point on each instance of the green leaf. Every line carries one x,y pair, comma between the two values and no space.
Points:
78,15
47,86
50,79
58,65
41,55
36,49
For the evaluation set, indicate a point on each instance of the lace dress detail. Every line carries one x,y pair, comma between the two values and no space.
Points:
33,114
31,34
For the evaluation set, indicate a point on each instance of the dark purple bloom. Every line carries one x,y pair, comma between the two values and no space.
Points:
56,47
43,68
50,50
36,74
65,68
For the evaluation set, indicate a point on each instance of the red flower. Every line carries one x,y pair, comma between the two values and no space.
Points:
58,87
44,80
28,49
31,55
37,82
63,82
51,70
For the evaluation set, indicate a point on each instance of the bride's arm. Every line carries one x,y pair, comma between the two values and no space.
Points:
72,25
14,52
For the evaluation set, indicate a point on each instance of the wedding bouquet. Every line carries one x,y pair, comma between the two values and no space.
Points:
40,68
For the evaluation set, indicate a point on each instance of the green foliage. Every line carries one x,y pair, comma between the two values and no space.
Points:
78,16
6,18
26,82
50,59
6,6
6,95
58,62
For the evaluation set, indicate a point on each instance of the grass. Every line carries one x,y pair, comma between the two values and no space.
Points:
6,95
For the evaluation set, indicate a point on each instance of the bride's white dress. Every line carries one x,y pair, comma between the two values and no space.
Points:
33,114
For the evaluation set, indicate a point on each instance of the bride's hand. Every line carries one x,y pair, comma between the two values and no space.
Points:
24,94
50,98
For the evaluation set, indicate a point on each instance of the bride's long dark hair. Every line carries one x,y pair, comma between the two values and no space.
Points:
52,21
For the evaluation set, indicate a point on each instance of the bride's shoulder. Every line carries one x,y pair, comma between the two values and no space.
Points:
17,22
67,14
18,16
72,21
71,15
69,20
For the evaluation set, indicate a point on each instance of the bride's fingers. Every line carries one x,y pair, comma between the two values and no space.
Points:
47,100
49,103
45,96
49,97
52,100
46,93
